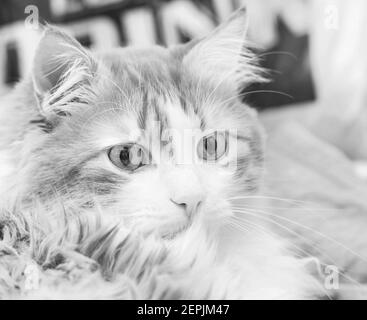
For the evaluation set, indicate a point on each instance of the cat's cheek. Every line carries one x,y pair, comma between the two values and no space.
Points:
144,203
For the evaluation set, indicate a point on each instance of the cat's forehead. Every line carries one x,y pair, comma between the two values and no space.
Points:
152,119
143,90
149,85
140,66
137,75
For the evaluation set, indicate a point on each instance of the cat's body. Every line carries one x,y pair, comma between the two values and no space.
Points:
66,131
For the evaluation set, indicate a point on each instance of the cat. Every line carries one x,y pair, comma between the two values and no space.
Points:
104,131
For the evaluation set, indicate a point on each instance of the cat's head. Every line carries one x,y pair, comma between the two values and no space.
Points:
157,136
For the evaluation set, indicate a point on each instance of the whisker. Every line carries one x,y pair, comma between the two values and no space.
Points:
306,209
289,230
314,231
255,227
268,234
241,95
286,53
253,197
303,238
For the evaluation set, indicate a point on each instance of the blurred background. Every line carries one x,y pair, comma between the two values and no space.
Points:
315,51
110,23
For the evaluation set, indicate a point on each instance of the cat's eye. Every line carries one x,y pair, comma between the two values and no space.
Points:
129,156
213,147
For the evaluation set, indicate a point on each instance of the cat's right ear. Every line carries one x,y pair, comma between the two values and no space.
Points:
223,57
61,73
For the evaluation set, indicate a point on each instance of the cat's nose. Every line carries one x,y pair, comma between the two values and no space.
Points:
185,188
190,201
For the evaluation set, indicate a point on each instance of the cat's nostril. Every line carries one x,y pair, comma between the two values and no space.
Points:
183,205
177,203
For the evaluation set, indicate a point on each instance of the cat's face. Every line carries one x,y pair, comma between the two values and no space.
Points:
155,136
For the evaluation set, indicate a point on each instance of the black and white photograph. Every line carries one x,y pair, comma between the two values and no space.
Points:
186,150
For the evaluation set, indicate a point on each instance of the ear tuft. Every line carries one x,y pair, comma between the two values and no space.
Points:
62,70
224,57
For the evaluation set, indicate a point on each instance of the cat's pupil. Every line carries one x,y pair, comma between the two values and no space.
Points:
125,156
210,145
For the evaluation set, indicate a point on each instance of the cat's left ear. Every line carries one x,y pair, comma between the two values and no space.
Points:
224,55
62,72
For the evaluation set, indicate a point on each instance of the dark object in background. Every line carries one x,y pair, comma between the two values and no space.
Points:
290,73
12,64
288,60
85,41
5,12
